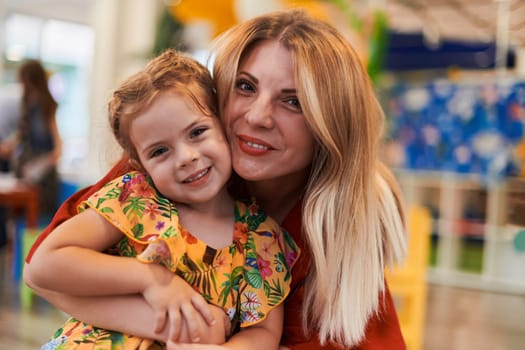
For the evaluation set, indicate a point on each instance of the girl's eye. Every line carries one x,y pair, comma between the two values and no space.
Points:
294,103
244,85
197,132
158,152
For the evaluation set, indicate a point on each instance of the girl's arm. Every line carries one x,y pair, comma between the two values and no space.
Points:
68,209
71,261
97,310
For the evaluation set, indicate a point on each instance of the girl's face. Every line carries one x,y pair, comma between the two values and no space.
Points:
267,130
183,150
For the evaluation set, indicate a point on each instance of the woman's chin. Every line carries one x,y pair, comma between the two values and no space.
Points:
251,170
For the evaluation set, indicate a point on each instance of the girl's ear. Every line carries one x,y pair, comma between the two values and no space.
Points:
135,164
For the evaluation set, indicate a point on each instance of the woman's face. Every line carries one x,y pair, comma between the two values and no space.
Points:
267,130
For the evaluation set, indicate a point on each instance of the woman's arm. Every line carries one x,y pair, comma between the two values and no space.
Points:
262,336
266,333
129,314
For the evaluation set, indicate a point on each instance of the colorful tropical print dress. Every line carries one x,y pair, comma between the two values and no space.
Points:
247,279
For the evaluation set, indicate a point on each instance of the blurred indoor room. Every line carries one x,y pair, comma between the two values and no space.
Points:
450,75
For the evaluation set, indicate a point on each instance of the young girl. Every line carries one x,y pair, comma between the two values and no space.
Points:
175,211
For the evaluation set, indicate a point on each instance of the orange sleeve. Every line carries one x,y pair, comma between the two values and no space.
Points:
70,206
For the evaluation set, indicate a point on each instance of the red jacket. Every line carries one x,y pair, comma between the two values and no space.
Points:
383,331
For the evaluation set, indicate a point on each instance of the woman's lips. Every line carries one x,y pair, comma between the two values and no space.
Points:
253,146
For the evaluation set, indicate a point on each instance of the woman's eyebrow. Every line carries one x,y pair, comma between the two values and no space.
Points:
256,81
250,76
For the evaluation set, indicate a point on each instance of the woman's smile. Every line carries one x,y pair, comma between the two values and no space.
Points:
253,146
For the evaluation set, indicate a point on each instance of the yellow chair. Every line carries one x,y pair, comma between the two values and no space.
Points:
407,282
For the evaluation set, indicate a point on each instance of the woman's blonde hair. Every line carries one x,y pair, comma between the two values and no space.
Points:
352,216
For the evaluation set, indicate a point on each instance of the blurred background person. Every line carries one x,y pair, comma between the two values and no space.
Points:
39,144
36,147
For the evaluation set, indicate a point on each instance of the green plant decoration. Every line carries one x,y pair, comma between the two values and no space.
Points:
378,45
169,33
377,41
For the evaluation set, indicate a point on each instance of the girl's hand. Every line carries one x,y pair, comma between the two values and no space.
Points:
175,303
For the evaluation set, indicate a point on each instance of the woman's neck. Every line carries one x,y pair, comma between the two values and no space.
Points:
277,197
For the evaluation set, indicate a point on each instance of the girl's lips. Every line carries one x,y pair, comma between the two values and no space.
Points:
197,178
253,146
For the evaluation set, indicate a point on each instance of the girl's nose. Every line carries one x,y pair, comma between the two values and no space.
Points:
260,113
186,155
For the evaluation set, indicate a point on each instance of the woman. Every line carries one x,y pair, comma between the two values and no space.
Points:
304,128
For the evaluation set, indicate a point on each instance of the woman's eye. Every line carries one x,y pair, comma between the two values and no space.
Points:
294,103
158,152
244,85
197,132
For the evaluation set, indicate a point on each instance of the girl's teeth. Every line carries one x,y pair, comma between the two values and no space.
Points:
198,176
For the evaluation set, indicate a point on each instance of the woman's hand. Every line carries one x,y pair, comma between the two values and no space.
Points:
261,336
174,346
176,304
215,335
179,346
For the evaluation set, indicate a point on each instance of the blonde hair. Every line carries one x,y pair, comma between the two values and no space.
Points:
169,71
352,215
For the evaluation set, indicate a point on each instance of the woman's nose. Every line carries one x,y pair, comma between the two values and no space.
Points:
260,113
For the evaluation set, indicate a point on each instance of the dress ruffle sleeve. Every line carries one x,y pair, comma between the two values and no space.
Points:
270,253
149,221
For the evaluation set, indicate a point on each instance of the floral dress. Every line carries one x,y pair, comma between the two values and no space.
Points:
247,279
